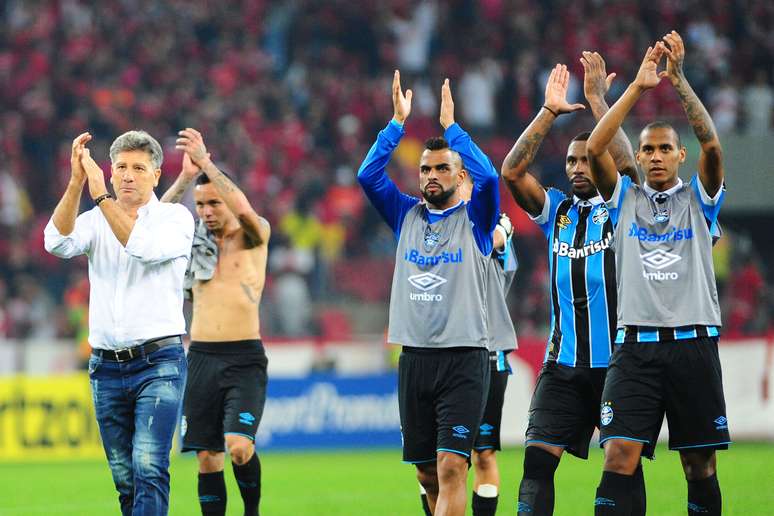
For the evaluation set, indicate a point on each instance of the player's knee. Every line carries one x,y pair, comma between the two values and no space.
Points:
210,461
698,465
539,463
485,460
241,451
622,456
452,467
427,475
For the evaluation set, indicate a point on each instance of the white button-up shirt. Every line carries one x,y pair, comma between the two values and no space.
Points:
136,292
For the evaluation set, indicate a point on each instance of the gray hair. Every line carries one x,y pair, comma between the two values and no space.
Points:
138,140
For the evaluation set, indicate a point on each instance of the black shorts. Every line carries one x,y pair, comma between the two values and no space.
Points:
225,392
441,398
681,379
488,437
565,407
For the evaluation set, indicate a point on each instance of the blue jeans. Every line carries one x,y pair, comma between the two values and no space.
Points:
138,405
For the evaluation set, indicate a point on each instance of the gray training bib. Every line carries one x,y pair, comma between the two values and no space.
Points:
664,261
439,285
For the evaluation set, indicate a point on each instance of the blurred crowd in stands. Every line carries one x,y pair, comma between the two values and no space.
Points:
290,95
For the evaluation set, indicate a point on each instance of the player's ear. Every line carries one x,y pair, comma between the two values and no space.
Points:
682,154
461,176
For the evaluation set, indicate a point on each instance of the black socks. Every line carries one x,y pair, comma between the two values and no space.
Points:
212,494
704,497
614,494
248,477
484,506
536,491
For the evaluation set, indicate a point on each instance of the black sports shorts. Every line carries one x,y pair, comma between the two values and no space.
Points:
679,378
488,437
565,407
225,392
441,398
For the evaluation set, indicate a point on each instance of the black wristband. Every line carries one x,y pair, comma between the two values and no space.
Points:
556,115
102,198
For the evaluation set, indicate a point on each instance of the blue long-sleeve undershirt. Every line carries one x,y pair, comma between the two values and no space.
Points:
393,205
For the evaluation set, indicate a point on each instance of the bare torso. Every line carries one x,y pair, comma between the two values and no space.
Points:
225,308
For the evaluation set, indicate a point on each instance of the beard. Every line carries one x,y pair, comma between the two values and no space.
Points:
440,197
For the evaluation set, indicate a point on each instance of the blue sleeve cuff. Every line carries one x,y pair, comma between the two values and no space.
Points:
394,131
453,131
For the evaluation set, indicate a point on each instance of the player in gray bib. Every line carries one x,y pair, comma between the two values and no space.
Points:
666,361
438,300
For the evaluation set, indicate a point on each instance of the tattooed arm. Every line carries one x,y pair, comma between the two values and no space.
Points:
525,188
183,181
596,83
711,156
257,228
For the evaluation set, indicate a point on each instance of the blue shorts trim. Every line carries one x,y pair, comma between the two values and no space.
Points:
483,447
603,441
545,442
454,451
700,445
419,461
251,437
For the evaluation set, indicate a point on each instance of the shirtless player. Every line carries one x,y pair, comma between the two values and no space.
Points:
226,388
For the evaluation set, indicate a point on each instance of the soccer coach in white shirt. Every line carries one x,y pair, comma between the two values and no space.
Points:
138,250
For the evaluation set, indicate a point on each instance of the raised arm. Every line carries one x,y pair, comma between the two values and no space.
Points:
596,84
484,205
188,174
525,188
390,202
256,227
67,235
66,210
711,155
603,168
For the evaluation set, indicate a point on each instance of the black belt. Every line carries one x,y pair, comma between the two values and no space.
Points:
146,348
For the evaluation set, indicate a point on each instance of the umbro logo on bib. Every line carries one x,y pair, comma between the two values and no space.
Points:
426,281
658,259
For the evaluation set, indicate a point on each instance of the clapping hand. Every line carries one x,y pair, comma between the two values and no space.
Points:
401,103
675,52
191,142
447,105
94,174
648,76
78,175
596,81
556,92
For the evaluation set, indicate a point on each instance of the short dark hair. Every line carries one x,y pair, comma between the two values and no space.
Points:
582,137
202,179
436,143
660,124
439,143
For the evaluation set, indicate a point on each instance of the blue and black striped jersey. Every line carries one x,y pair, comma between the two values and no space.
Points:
583,284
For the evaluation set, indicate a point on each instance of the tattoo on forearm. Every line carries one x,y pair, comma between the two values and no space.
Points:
177,195
525,149
699,118
224,184
527,145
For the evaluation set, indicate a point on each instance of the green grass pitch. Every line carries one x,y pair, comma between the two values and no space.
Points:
375,482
